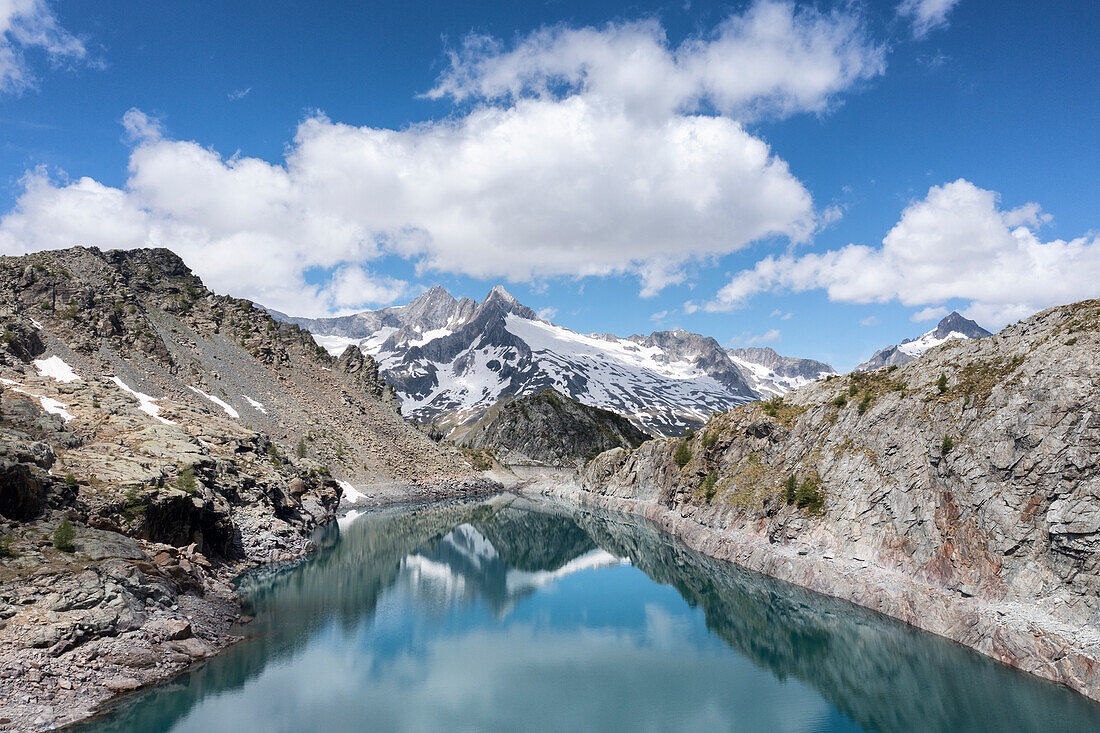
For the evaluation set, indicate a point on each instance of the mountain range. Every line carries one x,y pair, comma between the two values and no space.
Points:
450,359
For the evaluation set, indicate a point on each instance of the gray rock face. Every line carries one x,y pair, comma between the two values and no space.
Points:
981,499
549,429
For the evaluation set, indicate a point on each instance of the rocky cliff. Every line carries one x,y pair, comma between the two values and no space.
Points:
959,492
549,429
182,436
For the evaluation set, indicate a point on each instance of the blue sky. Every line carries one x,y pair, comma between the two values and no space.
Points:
729,168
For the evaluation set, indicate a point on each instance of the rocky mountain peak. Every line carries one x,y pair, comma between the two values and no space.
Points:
952,326
501,301
954,322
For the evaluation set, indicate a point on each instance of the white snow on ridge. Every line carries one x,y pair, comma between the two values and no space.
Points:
258,405
334,345
219,402
351,494
767,381
918,346
428,336
148,404
56,368
49,404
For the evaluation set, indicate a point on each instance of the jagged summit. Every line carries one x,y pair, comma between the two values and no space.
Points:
773,374
951,326
451,359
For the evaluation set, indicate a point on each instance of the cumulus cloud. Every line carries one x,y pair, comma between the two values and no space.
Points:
925,15
869,321
931,313
955,243
29,26
772,59
547,313
550,171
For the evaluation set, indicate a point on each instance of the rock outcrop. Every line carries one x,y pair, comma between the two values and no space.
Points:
183,436
549,429
959,492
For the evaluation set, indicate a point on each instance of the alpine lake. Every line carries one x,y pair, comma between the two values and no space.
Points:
514,614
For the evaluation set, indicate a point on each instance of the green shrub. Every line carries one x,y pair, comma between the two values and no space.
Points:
809,495
947,444
853,389
941,383
186,480
64,535
682,456
273,454
300,450
892,368
710,437
840,400
790,489
1071,341
6,548
70,479
864,404
710,485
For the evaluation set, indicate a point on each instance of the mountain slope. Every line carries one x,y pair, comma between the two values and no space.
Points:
551,429
184,436
970,509
771,374
952,326
450,360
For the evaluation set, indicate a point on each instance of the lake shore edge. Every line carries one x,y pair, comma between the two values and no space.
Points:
1012,633
42,690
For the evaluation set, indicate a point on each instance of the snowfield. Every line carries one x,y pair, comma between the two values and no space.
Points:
147,404
55,368
217,401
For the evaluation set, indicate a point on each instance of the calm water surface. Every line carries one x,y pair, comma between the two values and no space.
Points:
509,615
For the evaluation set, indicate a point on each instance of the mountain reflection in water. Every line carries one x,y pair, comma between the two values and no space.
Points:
510,614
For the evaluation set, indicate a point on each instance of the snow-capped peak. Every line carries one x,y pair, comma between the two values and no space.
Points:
451,359
952,326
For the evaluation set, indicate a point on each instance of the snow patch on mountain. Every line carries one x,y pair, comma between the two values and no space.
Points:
953,326
451,359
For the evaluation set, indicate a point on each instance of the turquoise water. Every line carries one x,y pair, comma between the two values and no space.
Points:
510,615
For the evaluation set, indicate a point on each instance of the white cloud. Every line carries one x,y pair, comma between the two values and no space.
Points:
547,313
869,321
141,128
239,94
353,285
955,243
659,316
30,26
770,336
772,59
523,185
931,313
925,15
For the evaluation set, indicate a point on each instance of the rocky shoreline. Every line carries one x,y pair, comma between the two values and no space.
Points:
124,614
1017,634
